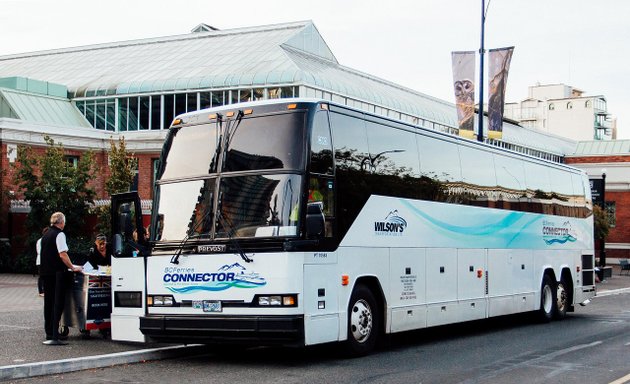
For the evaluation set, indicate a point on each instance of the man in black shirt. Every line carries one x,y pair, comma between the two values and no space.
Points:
55,267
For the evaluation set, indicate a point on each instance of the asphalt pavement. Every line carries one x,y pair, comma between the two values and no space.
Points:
22,353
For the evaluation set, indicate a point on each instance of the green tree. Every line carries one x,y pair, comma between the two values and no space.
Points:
122,168
601,223
50,183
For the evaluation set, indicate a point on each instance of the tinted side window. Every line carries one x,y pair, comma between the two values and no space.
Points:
351,149
392,151
439,159
321,145
511,186
477,167
538,188
537,180
581,196
351,146
479,177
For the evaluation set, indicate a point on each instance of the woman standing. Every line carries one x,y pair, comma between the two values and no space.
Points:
100,253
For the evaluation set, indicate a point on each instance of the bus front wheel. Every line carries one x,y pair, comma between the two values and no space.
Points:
363,322
548,294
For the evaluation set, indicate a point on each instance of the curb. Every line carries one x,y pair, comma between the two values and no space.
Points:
97,361
610,292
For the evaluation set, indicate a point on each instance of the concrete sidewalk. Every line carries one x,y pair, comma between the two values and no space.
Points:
22,353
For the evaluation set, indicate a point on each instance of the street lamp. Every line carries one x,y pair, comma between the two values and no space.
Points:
602,242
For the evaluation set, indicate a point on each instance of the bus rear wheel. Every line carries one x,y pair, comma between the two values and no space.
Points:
363,322
562,299
548,304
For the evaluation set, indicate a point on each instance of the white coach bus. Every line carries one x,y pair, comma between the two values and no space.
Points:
300,222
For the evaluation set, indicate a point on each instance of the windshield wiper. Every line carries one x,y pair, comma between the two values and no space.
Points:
190,235
233,241
230,130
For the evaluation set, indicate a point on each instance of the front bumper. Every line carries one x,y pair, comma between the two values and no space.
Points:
261,330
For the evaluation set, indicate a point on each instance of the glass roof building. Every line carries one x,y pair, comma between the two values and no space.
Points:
141,85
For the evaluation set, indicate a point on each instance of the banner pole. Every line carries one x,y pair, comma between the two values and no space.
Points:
481,52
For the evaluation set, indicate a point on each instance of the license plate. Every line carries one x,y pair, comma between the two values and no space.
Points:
212,306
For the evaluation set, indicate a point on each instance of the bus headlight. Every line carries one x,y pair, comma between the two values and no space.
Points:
275,300
160,301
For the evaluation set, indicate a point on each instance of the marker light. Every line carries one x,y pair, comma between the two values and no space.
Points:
248,111
276,300
212,116
177,122
291,106
345,280
323,106
230,114
480,273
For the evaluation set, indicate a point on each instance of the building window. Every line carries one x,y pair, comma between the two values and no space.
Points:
569,105
552,106
204,100
156,122
191,103
168,110
245,95
588,104
73,161
145,108
259,93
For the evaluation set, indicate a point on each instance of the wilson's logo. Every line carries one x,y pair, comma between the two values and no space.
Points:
393,225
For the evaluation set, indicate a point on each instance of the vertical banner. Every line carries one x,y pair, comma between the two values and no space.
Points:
498,73
464,87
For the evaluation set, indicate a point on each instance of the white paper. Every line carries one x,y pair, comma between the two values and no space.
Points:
87,267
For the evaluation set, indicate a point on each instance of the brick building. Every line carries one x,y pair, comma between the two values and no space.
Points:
611,158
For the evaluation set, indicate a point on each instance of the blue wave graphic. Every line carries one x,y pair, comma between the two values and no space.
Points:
397,220
503,227
476,230
560,241
215,288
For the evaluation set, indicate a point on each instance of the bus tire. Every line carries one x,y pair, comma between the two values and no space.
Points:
562,299
547,299
363,322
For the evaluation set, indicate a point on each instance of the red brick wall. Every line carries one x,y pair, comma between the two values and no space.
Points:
12,226
145,166
621,232
597,159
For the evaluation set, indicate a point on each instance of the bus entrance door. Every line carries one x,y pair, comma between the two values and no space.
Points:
128,291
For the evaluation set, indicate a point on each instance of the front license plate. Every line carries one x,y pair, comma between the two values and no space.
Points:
212,306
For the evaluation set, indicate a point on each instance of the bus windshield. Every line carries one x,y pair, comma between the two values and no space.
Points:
221,180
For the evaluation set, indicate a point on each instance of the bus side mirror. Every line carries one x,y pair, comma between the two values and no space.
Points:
118,245
315,220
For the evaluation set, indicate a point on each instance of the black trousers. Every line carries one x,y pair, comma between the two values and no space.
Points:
40,282
56,288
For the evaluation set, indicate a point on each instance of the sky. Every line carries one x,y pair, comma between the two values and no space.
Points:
409,42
